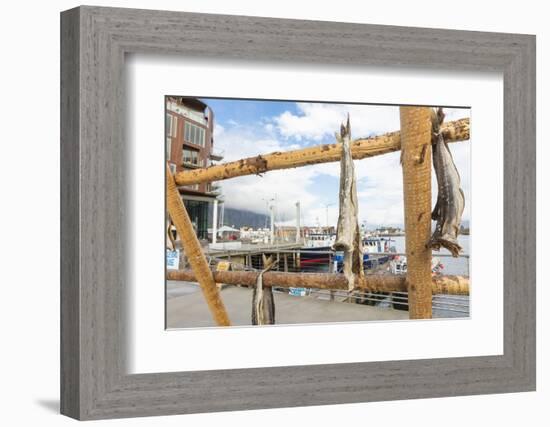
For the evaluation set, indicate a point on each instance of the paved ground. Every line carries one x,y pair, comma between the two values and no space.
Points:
186,308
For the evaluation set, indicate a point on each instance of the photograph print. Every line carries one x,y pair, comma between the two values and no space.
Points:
301,212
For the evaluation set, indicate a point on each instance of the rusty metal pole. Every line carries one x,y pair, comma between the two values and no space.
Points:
193,251
416,158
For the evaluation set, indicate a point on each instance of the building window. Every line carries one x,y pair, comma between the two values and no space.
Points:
194,134
171,125
169,148
191,157
194,187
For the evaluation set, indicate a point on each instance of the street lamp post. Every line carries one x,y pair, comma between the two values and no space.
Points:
326,207
269,208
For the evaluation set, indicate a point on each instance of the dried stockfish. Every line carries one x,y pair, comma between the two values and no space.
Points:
170,243
348,236
263,304
450,197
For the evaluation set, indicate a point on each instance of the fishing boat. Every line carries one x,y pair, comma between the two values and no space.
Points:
377,251
398,265
317,248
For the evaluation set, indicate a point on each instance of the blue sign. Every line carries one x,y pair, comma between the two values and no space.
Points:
172,259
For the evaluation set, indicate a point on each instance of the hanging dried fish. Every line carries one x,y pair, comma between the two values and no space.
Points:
170,243
450,197
348,236
263,304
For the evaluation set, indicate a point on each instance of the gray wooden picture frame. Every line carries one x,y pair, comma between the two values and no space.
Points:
94,41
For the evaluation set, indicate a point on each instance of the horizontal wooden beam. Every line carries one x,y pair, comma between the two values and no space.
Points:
458,130
453,285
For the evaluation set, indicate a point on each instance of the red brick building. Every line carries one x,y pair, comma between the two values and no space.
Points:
190,144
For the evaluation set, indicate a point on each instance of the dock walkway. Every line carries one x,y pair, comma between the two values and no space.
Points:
186,308
251,249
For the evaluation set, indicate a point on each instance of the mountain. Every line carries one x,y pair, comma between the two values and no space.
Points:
239,218
374,226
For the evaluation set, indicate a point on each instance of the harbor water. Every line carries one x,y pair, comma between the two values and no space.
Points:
451,266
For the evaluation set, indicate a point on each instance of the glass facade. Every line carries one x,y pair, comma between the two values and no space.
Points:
198,212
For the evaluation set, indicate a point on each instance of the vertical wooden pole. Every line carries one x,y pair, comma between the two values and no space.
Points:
193,251
416,159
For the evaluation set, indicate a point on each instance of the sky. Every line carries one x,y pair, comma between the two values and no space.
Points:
245,128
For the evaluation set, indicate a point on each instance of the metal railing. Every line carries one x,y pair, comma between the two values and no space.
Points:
442,305
304,261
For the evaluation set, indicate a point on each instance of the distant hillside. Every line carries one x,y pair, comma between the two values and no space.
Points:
239,218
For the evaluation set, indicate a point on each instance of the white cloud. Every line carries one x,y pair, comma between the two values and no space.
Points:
380,188
456,113
251,192
316,121
238,142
